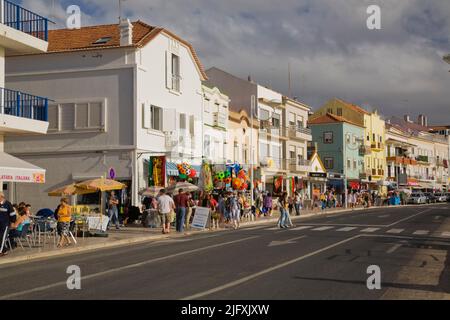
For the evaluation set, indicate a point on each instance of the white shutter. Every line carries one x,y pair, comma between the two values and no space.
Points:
192,125
168,70
169,120
180,74
146,116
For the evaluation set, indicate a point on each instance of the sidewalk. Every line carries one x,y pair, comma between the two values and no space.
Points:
137,234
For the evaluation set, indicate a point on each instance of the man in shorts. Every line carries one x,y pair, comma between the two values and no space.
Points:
165,207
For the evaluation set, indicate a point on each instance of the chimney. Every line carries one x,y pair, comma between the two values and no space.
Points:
249,78
423,120
406,117
126,32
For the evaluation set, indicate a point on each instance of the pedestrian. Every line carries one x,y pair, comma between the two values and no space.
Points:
113,211
8,216
235,211
190,208
283,206
268,204
181,203
297,203
165,206
323,201
63,225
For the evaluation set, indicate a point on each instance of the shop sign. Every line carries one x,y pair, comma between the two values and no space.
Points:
318,175
201,218
112,173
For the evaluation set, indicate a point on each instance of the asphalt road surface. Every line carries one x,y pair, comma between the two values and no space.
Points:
325,257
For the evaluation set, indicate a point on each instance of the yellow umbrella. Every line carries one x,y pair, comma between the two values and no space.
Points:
101,184
70,190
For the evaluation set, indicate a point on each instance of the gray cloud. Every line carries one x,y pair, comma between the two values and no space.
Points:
397,69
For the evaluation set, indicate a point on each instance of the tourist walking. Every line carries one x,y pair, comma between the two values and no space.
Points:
63,225
113,211
297,203
268,204
235,210
165,206
181,203
189,209
283,206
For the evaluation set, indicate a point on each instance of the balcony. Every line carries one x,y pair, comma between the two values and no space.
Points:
365,150
402,160
22,112
295,132
300,165
377,146
422,159
21,19
22,31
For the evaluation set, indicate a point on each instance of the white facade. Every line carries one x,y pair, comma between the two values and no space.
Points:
113,108
215,125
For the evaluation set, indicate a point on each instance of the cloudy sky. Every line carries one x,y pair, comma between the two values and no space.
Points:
398,69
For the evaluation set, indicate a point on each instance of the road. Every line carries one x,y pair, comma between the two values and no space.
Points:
325,257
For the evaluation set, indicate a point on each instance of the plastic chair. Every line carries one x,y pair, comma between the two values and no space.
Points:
24,235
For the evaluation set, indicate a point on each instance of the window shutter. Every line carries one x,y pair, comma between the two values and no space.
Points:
146,116
53,117
67,117
168,70
82,111
192,125
169,120
95,115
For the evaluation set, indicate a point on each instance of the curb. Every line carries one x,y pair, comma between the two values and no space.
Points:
142,239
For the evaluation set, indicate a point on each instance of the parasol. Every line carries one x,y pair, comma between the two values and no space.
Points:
151,192
186,186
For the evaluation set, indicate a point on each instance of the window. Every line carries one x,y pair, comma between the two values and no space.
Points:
88,116
355,164
53,117
354,139
329,163
368,138
300,123
276,122
207,146
349,164
182,121
264,150
276,155
291,120
175,72
156,118
207,106
374,140
348,137
67,117
330,110
292,154
328,137
82,116
102,40
339,112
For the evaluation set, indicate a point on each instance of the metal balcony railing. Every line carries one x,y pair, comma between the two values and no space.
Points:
24,105
21,19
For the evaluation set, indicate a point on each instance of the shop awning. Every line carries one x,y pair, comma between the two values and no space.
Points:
426,185
172,170
13,169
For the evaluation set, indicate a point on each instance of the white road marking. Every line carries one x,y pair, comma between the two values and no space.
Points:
445,234
131,266
346,229
421,232
394,248
322,228
261,273
370,230
407,218
301,228
396,231
289,241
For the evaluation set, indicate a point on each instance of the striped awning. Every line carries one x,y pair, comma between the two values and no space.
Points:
172,170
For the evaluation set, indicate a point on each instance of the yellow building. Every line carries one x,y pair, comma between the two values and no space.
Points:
373,148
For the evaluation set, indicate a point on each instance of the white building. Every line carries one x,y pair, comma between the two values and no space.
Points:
20,113
295,116
122,93
267,108
215,125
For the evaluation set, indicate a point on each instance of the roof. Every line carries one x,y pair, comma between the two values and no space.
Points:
69,40
408,126
353,106
331,118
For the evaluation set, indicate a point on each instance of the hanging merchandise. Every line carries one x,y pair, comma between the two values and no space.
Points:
206,179
157,172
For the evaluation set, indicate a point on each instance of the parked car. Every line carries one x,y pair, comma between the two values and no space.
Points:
430,197
448,197
417,198
440,197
